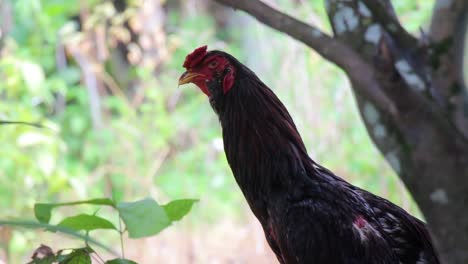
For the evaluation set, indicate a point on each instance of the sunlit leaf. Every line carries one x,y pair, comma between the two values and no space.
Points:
143,218
177,209
46,162
33,75
86,222
33,138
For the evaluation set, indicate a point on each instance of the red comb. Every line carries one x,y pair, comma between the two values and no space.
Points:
195,57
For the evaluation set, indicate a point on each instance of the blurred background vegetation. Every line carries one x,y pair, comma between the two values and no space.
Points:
102,75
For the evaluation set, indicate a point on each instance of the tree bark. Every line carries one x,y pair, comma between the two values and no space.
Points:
411,97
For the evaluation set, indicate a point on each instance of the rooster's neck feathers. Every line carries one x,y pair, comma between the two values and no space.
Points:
256,123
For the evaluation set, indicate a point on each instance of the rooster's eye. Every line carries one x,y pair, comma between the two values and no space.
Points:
213,64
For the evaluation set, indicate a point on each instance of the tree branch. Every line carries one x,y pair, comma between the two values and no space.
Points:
446,16
388,19
447,31
359,71
324,44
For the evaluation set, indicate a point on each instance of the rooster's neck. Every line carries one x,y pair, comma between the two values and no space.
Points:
262,145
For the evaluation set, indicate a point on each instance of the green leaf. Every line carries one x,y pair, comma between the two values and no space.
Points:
77,256
43,211
120,261
177,209
143,218
86,222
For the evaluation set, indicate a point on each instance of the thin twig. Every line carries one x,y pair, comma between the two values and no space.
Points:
38,125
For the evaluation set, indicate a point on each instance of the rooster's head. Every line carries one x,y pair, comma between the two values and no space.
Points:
204,67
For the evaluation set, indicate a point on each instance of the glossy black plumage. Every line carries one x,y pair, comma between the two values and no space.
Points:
309,215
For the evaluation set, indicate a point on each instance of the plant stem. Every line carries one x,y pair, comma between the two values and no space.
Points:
121,237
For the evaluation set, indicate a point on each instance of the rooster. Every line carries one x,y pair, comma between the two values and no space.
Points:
308,214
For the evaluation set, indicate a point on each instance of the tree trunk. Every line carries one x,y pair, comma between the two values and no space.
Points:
411,97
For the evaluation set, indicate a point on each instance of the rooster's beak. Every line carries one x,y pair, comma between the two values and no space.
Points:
188,77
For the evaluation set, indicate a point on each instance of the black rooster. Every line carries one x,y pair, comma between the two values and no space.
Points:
309,215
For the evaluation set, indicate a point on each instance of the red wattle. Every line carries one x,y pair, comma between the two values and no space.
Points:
228,81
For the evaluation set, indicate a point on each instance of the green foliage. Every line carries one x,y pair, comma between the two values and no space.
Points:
75,256
43,211
86,222
142,218
177,209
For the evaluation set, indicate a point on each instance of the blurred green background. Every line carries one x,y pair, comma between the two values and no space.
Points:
102,75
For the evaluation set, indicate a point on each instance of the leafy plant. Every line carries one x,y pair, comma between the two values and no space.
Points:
140,219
